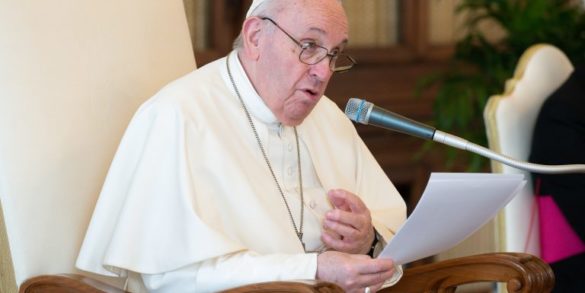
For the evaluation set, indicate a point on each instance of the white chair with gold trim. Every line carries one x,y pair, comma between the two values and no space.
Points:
510,119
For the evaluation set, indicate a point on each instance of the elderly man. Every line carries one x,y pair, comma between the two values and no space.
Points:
242,171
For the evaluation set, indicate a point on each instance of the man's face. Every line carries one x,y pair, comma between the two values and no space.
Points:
290,88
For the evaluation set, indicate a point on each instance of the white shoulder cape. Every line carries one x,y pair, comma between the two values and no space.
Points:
188,182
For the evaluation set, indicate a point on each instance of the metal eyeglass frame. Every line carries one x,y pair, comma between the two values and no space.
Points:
304,46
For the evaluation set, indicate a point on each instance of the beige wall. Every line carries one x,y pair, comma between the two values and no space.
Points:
372,23
445,25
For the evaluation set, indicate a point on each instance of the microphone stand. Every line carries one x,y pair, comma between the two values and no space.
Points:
463,144
364,112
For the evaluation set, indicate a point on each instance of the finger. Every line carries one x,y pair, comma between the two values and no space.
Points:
350,219
332,239
377,278
375,287
376,266
374,281
350,200
357,205
334,243
348,232
338,200
331,234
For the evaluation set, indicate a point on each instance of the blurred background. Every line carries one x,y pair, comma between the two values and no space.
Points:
435,61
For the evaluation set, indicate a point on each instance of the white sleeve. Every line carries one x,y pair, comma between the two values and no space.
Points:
234,270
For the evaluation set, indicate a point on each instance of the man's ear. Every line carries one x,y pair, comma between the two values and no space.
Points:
251,34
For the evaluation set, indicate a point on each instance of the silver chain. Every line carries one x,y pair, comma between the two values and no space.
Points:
299,230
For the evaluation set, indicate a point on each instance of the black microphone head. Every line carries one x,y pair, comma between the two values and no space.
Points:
358,110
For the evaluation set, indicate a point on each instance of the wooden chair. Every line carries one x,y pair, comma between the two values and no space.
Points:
510,119
72,73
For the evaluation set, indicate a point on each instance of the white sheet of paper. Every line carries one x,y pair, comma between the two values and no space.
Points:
452,207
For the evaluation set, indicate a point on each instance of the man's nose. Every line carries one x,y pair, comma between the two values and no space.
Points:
321,69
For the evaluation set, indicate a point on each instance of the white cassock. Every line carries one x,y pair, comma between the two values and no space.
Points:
189,204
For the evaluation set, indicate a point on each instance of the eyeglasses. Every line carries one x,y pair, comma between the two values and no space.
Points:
311,53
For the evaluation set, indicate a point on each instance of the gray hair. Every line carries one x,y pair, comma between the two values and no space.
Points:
268,7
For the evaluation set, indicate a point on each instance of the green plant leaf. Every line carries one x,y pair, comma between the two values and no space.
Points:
480,68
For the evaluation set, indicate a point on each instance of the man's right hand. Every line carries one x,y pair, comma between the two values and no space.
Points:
354,272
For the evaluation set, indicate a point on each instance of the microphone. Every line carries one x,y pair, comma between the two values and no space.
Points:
364,112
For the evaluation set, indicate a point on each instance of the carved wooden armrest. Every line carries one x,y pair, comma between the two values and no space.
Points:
71,283
521,272
66,283
308,286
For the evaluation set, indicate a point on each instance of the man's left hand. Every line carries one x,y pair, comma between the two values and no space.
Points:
347,227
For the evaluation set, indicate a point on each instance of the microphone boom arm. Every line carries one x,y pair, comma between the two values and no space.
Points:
364,112
460,143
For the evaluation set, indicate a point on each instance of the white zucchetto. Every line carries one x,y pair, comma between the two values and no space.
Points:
254,5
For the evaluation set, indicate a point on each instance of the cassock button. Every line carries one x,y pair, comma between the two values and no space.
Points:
312,204
290,171
290,147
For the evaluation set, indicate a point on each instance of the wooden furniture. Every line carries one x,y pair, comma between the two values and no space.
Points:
520,272
510,119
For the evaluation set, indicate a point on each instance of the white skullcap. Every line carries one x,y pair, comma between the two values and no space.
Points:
254,5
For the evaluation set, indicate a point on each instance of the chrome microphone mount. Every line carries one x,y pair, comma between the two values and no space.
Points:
364,112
